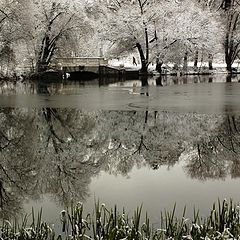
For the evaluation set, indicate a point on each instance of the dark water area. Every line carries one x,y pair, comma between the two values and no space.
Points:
120,143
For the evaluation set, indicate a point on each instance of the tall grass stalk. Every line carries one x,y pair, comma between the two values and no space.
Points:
223,222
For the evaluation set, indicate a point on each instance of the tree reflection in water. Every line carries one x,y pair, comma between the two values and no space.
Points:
58,151
217,155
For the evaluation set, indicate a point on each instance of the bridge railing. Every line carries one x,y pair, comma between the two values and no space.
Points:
79,61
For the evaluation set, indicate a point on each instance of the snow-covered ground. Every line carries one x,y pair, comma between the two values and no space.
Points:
128,63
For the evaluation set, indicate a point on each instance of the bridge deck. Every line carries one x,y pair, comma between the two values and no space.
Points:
78,65
79,61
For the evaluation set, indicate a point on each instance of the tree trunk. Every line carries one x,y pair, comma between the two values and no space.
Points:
143,59
45,55
195,61
210,61
228,52
147,44
230,45
185,60
159,65
229,65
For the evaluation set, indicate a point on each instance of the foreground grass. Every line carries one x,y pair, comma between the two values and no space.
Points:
223,222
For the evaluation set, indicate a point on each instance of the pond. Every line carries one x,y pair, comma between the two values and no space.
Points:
121,143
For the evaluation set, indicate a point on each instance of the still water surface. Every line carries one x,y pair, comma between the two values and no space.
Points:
120,143
192,94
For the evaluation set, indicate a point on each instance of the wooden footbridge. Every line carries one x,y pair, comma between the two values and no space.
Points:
77,65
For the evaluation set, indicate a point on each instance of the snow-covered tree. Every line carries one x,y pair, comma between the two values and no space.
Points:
130,25
47,26
8,36
229,11
160,30
232,32
187,28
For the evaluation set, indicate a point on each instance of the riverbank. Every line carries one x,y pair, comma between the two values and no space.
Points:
223,222
118,75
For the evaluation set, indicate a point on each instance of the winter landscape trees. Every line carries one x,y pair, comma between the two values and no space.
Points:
50,24
8,35
231,11
130,26
159,31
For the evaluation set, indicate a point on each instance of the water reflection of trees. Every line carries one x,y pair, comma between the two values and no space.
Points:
40,154
58,151
217,155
